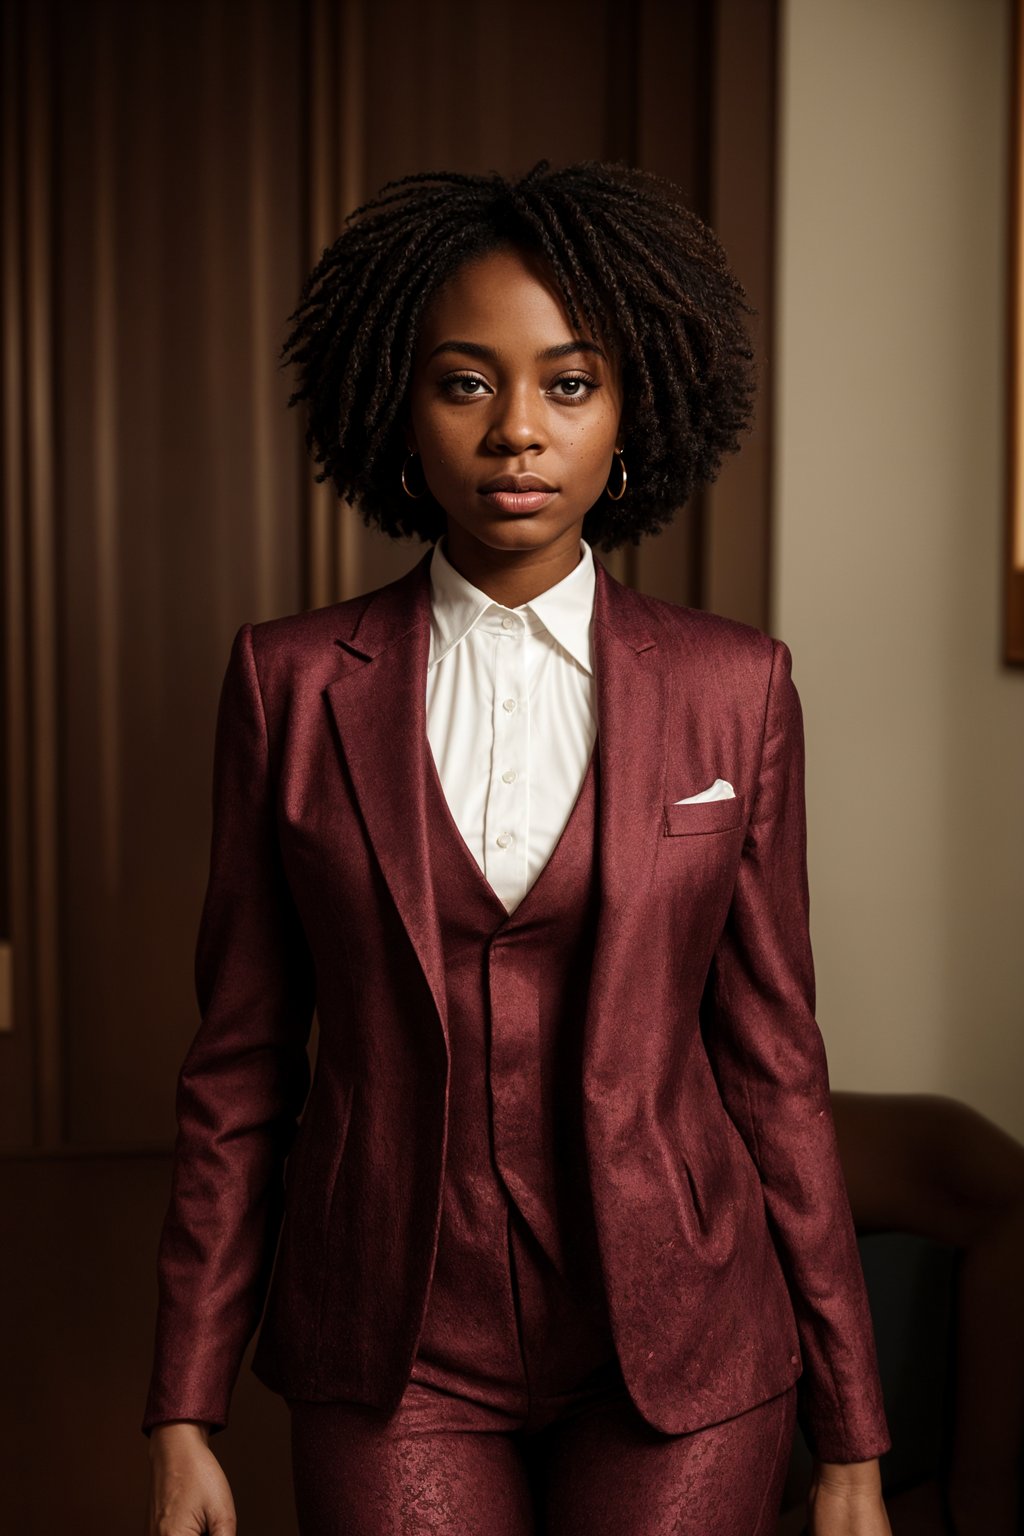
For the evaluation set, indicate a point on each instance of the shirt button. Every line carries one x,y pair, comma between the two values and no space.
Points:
509,775
508,622
509,704
503,839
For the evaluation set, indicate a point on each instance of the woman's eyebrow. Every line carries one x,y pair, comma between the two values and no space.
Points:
477,349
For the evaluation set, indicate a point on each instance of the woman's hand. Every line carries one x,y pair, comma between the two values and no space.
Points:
189,1494
845,1499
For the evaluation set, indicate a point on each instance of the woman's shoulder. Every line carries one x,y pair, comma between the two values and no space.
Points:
290,631
686,630
296,651
298,642
724,660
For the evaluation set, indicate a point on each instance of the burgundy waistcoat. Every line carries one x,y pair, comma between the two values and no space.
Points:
515,1174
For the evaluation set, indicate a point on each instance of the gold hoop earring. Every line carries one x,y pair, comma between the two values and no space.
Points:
415,495
622,487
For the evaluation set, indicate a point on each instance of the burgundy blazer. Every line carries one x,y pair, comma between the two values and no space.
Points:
729,1256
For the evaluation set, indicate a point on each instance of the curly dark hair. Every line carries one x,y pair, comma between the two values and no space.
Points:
647,275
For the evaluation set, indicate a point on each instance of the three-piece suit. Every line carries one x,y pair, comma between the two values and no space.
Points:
613,1100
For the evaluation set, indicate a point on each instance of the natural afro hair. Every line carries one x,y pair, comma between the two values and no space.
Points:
645,273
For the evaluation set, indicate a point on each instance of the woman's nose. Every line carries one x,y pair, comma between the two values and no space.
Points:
515,422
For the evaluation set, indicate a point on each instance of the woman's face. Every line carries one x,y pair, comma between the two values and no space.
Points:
503,386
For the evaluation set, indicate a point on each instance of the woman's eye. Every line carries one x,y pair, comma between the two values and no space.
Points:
578,386
465,386
572,388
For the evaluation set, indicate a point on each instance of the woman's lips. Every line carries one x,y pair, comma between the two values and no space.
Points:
519,501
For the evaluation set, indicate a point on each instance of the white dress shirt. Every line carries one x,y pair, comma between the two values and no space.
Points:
511,716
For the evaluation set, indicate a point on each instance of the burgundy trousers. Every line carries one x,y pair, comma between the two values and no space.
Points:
593,1470
516,1417
578,1462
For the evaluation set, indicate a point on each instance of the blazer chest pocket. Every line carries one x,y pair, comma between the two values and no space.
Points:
703,816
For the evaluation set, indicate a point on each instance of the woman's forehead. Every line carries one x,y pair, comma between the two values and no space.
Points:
506,294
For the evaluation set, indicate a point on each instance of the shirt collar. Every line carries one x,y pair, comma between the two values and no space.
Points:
564,610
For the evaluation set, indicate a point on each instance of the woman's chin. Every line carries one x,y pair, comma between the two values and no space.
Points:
513,530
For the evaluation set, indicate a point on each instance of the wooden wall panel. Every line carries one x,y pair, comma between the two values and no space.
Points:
674,64
735,561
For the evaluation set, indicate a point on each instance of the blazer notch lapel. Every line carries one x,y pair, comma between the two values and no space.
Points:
631,688
378,707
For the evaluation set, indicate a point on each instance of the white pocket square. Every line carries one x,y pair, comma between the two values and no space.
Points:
721,789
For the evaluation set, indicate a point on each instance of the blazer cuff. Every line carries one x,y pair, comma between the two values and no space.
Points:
196,1415
856,1436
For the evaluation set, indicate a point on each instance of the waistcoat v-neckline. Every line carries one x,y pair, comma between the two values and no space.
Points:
492,895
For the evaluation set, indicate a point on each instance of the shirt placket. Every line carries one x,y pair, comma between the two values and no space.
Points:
505,850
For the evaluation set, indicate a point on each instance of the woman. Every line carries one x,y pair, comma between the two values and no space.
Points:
565,1235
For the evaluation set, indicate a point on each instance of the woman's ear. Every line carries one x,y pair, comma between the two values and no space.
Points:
408,433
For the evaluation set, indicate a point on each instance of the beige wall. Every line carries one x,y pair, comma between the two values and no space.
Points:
888,493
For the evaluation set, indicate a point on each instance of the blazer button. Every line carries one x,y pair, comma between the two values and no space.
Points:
794,1359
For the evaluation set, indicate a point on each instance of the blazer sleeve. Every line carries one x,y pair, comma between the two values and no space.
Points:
242,1084
767,1053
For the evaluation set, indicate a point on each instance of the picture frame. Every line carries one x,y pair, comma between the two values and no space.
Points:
1013,589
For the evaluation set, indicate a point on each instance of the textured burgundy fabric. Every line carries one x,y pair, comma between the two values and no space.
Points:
515,992
726,1245
516,1417
589,1467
